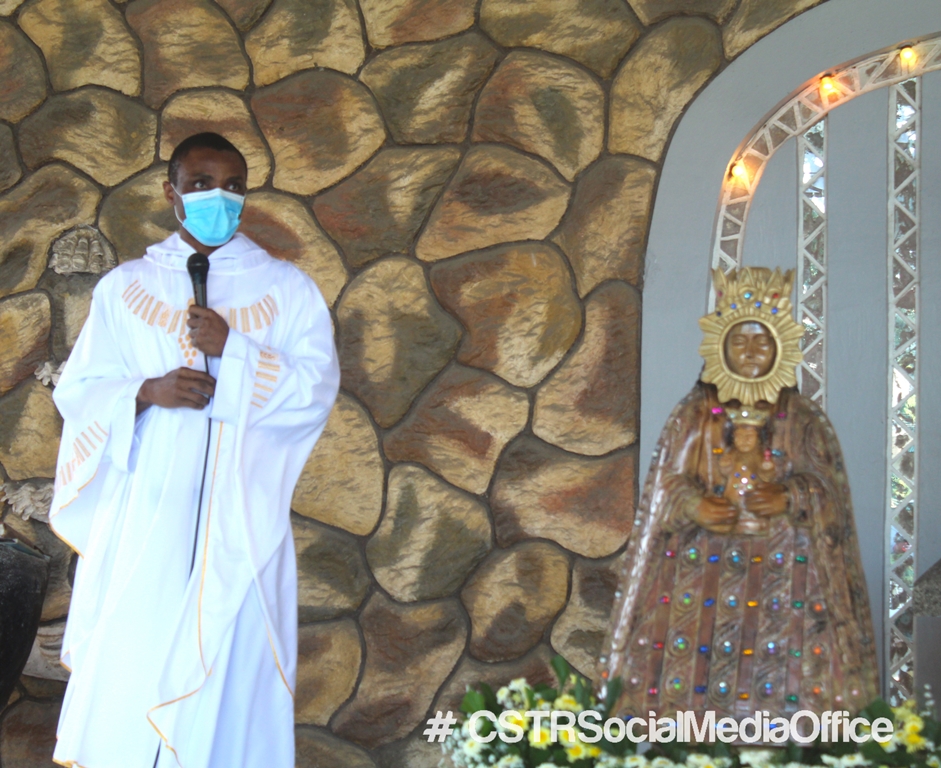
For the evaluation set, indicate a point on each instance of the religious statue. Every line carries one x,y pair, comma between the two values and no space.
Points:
743,588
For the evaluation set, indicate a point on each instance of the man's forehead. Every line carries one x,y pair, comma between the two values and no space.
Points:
204,161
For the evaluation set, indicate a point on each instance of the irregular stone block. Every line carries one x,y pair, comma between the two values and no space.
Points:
497,195
518,306
84,42
426,91
286,228
512,597
244,12
342,482
320,127
379,209
187,44
393,337
652,11
586,505
82,250
8,6
596,33
393,22
754,19
410,651
590,404
220,112
30,427
657,81
331,572
107,135
10,170
430,538
22,79
545,106
321,749
459,427
328,662
32,215
136,214
300,34
605,230
29,733
58,591
25,322
415,752
71,302
43,661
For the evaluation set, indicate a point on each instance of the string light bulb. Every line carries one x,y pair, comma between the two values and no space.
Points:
739,171
827,86
907,55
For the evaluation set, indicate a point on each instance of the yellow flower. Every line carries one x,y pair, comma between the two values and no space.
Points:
913,724
913,741
576,752
540,737
934,761
517,718
568,703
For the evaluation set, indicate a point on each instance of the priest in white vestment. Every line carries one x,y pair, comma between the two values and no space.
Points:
182,633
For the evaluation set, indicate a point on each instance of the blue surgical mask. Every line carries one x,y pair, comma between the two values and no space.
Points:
212,215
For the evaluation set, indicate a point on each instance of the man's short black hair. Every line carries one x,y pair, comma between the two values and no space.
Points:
199,141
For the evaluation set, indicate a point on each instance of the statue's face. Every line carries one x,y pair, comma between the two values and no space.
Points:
745,438
749,350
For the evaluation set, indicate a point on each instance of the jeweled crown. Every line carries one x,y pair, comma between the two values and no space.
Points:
753,288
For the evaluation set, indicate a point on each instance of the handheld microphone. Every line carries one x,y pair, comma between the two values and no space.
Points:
198,267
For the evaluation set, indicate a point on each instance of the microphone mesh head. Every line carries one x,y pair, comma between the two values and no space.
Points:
198,267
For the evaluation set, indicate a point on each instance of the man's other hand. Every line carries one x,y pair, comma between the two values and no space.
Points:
182,388
207,330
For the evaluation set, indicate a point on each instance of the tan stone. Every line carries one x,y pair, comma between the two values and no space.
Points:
426,90
596,33
32,215
430,538
459,426
341,484
414,752
8,6
513,597
379,209
321,749
44,656
22,79
585,505
580,631
84,42
590,404
545,106
518,306
30,427
410,651
497,195
10,170
29,733
220,112
320,126
83,249
25,322
288,231
71,301
331,572
58,590
657,81
40,688
652,11
605,230
187,44
136,214
328,662
299,34
244,12
753,19
393,22
393,337
107,135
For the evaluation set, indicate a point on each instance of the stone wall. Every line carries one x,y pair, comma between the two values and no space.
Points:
470,183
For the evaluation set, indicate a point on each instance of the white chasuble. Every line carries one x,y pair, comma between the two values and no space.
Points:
182,631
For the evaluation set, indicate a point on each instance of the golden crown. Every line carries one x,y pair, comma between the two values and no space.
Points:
748,415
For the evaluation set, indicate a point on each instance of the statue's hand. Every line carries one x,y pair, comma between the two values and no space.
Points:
767,499
716,514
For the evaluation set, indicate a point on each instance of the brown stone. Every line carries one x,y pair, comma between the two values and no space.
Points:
393,337
497,195
586,505
341,484
513,597
590,404
136,214
596,33
71,301
605,230
580,631
331,572
22,79
320,126
546,106
28,735
40,688
83,249
84,42
30,427
220,112
414,752
58,590
459,426
43,661
410,651
652,11
328,662
300,34
426,90
393,22
8,6
430,538
25,322
187,44
244,12
286,228
32,215
656,82
107,135
753,19
379,209
518,305
321,749
10,170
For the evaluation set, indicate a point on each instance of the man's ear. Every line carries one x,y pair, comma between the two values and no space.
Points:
168,193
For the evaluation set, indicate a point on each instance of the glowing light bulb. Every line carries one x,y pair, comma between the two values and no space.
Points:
907,55
739,171
827,86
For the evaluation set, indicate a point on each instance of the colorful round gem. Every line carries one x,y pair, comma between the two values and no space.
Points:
801,559
758,304
664,599
670,553
748,294
727,648
772,648
687,598
795,653
704,649
779,558
681,644
692,554
676,684
734,306
798,603
767,689
723,688
774,310
735,558
658,646
732,601
709,602
715,558
653,690
792,697
700,689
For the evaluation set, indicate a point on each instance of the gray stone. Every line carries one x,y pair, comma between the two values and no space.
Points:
331,572
10,169
316,748
22,79
136,214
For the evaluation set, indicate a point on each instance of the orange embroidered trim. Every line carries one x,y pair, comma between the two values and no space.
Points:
268,370
83,446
